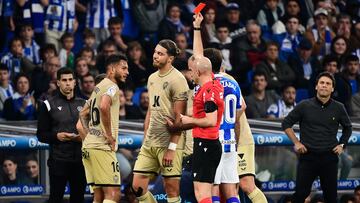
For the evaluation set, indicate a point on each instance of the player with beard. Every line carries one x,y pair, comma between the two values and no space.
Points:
100,120
162,149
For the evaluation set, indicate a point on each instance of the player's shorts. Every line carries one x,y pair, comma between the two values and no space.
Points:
206,158
149,162
226,172
246,159
101,168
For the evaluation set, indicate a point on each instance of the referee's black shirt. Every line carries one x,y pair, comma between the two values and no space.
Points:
319,124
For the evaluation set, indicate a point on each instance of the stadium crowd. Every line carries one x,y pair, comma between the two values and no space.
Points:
273,48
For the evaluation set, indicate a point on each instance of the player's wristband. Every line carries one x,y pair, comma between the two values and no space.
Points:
197,28
172,146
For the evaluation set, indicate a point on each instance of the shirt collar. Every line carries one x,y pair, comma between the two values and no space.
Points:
320,102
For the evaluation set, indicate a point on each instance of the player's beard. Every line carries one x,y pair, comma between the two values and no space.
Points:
118,80
158,64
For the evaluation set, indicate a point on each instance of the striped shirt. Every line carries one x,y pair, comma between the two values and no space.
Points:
60,15
232,102
32,52
99,12
6,8
13,63
34,14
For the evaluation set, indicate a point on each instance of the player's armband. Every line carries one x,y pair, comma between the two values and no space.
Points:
210,106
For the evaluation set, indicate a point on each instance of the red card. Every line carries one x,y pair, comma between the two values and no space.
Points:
199,8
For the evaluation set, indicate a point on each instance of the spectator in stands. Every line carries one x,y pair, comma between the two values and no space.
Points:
347,198
128,111
15,60
355,39
42,77
60,17
146,13
115,28
88,54
304,65
342,90
357,194
129,93
223,42
320,34
339,48
268,15
87,83
33,14
98,14
233,22
208,24
351,73
172,24
277,72
144,103
108,48
250,51
6,89
90,40
290,40
7,27
31,48
67,57
32,170
21,106
81,67
292,8
343,27
187,8
283,106
260,99
181,42
139,67
11,176
47,51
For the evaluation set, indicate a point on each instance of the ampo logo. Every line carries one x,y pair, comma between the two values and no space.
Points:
291,185
353,139
356,183
32,142
261,139
271,186
3,190
264,186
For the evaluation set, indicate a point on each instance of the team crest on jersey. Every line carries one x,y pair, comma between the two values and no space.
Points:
165,85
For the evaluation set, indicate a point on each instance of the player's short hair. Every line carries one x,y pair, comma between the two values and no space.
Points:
326,74
170,46
64,71
99,78
215,57
114,59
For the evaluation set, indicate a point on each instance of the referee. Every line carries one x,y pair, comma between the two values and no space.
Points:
57,127
318,147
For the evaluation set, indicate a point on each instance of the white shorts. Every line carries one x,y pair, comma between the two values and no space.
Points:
226,172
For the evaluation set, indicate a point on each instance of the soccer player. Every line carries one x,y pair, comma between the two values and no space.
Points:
100,120
245,144
162,150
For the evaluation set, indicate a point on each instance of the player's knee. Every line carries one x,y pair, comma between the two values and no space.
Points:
247,186
113,194
172,189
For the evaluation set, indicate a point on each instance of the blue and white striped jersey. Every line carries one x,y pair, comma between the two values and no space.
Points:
232,102
60,15
99,12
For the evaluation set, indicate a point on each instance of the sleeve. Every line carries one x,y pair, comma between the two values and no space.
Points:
293,117
44,132
346,126
180,90
238,97
111,91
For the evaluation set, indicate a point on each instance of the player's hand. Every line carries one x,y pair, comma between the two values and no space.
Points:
300,148
170,124
339,149
63,136
185,119
111,142
197,20
168,158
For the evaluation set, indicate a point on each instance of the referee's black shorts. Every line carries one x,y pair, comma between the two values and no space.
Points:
206,158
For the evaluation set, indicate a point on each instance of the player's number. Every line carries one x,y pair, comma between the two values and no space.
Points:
230,109
156,101
95,114
115,166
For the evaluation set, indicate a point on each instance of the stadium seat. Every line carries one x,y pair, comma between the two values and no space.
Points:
137,94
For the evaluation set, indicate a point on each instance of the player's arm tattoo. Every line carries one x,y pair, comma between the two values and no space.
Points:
84,117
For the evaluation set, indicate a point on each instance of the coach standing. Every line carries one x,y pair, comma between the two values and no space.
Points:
57,127
318,147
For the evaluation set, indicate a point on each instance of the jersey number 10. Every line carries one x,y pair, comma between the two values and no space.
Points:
229,109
